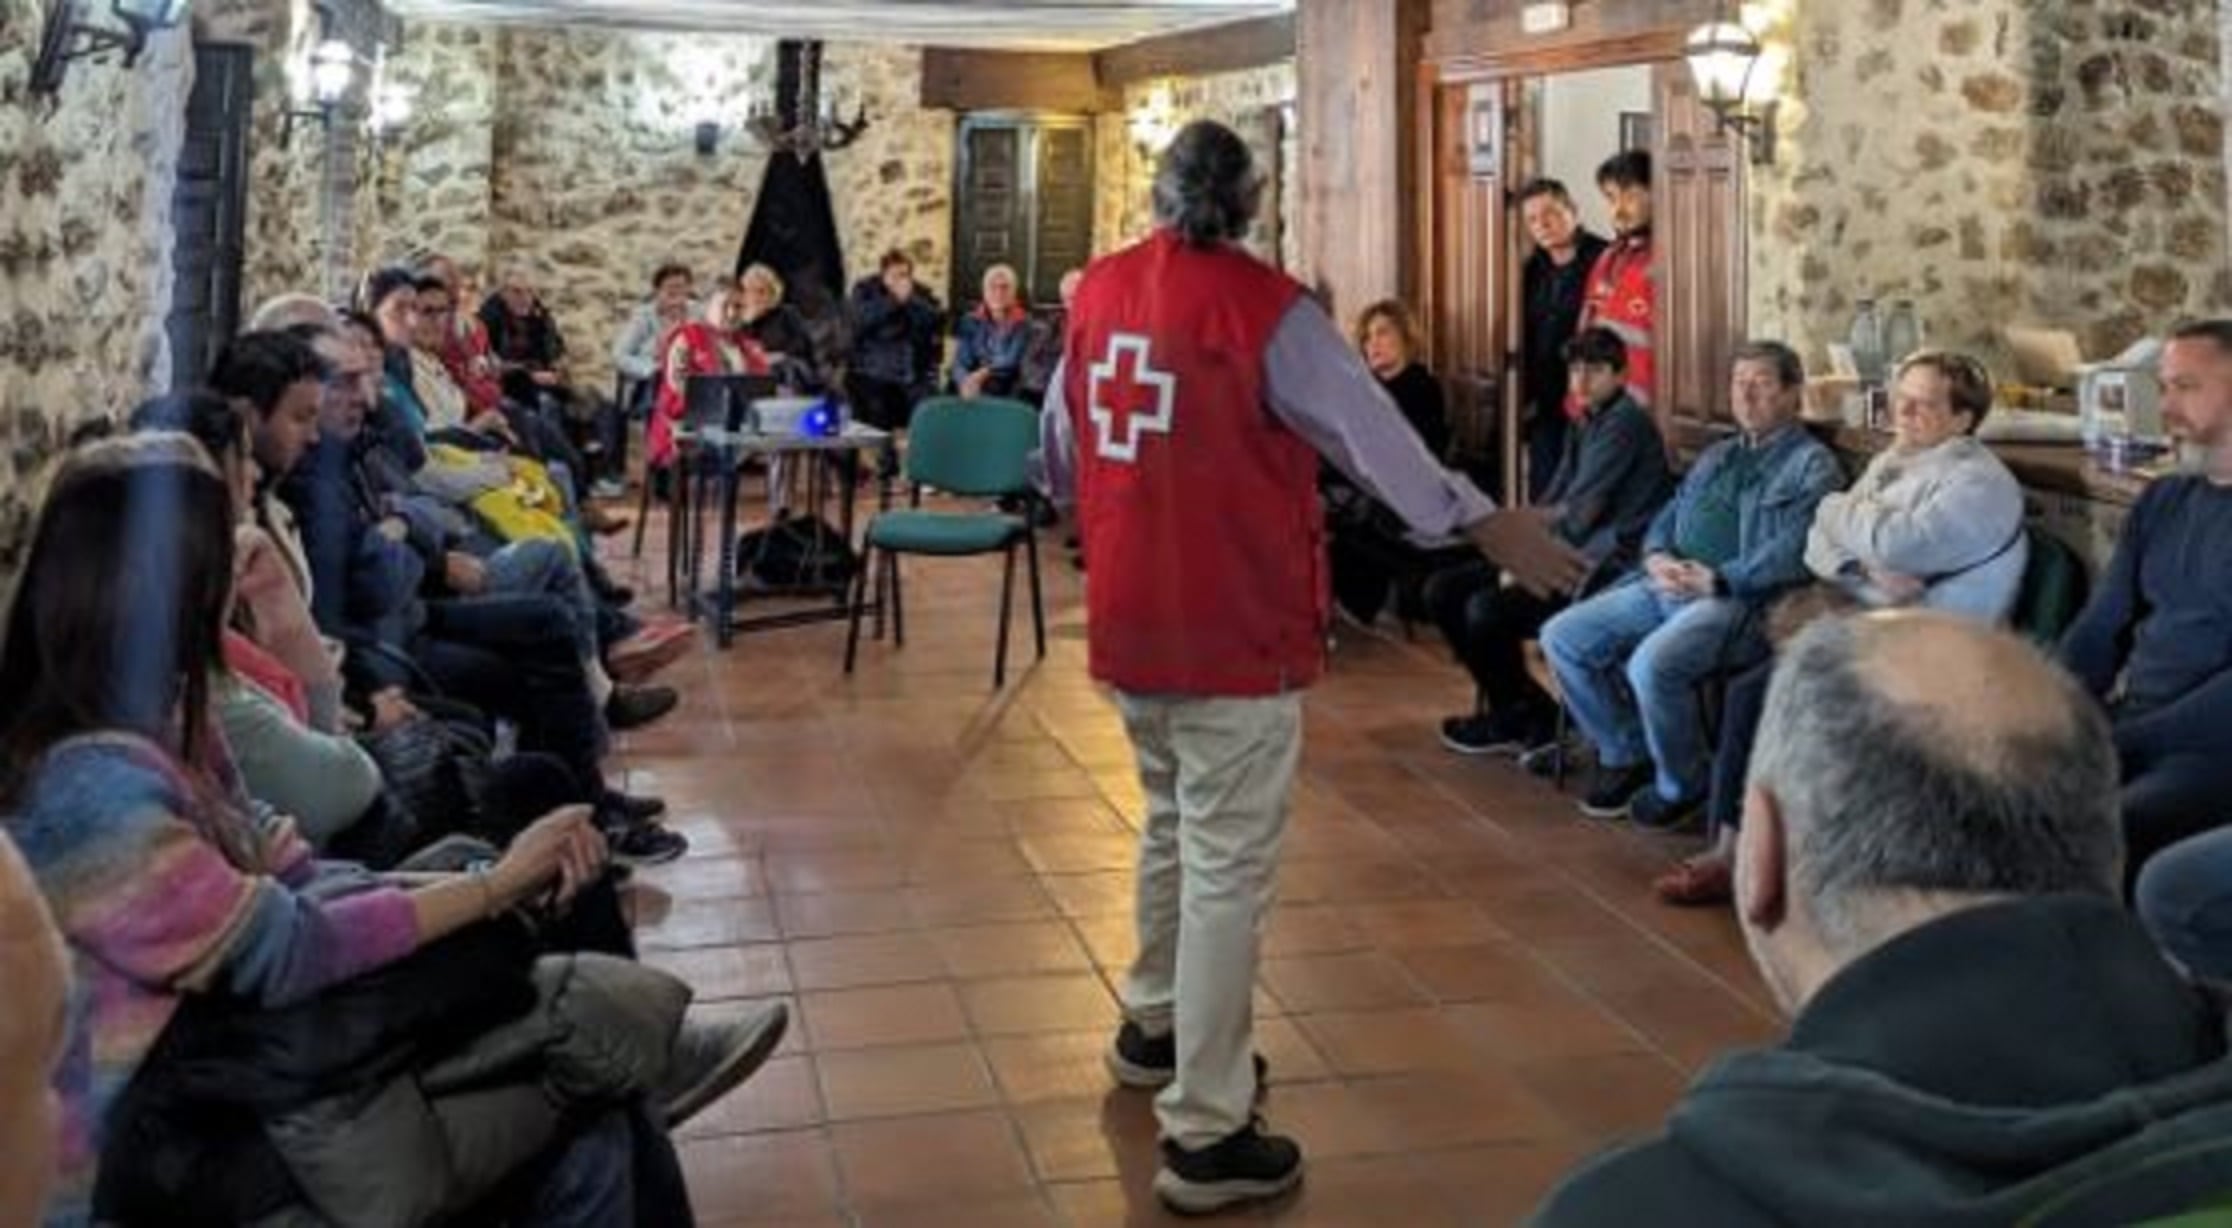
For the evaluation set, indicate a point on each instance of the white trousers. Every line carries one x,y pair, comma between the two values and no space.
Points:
1217,774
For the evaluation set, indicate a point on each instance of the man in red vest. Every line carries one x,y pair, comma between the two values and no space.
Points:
1622,294
1198,390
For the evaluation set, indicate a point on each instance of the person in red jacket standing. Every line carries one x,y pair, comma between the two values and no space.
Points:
1198,390
1622,293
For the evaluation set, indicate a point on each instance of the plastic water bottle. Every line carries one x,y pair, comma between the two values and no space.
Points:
1867,343
1902,334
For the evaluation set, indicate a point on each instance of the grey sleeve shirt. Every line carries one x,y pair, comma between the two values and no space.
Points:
1318,387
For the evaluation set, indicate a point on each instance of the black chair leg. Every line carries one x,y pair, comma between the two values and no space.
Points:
1007,603
860,599
643,511
1038,599
898,603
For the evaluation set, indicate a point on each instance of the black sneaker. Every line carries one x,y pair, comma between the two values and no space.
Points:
1495,733
1136,1059
633,707
641,844
630,809
1247,1165
708,1060
1651,809
1616,789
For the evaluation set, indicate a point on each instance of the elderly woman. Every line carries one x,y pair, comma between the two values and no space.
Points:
991,341
775,325
716,344
1935,521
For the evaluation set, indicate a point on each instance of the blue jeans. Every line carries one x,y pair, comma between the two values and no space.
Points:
2185,898
539,565
1630,662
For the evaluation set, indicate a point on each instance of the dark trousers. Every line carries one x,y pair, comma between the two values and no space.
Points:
1487,626
1546,438
519,658
2167,798
1742,706
882,404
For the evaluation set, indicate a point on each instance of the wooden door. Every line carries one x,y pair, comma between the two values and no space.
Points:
1024,197
1469,300
1061,208
1698,206
989,210
208,208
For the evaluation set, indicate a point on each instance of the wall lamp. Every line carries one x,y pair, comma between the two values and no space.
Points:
1736,82
330,71
70,35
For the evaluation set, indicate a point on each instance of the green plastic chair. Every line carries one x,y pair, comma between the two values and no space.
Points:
979,449
2052,592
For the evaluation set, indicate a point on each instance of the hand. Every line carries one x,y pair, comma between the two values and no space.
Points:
493,422
1698,580
1519,540
464,574
1665,572
391,708
544,379
1898,587
560,849
972,384
394,528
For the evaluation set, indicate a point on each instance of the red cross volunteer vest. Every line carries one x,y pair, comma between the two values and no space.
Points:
1198,508
1622,295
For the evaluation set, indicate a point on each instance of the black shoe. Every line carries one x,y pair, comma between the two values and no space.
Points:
1616,789
630,810
1651,809
708,1060
1247,1165
641,844
633,707
1495,733
1136,1059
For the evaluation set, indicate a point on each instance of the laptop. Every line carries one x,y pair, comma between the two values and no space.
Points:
720,402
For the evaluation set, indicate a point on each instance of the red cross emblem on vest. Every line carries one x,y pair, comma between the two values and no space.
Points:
1127,398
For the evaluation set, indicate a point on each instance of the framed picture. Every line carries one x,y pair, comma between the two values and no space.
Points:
1484,124
1635,130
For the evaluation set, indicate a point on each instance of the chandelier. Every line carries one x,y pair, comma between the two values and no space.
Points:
799,121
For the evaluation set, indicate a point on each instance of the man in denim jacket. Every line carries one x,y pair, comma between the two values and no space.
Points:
1630,660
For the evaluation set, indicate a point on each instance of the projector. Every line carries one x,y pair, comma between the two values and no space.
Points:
807,416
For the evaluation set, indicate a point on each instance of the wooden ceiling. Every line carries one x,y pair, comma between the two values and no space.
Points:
1018,25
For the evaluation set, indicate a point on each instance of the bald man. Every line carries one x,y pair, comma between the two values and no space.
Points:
1928,878
31,1032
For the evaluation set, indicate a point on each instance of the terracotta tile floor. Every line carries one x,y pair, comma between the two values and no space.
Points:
1466,987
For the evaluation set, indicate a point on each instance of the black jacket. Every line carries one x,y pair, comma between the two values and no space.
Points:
2028,1062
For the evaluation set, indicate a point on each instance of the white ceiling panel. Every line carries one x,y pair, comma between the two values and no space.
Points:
1041,25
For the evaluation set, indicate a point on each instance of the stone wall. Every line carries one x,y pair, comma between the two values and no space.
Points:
1254,102
570,152
85,250
1996,161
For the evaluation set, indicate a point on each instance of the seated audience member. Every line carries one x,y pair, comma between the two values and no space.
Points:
530,361
895,323
522,334
990,341
638,353
1048,337
1928,880
463,344
164,884
2155,642
1610,482
519,657
777,326
1369,549
713,345
1630,660
32,1032
1936,521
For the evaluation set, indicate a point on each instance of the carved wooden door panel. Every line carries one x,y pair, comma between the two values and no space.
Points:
1699,222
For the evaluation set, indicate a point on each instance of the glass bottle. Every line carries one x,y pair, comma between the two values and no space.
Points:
1867,343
